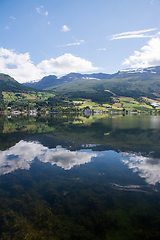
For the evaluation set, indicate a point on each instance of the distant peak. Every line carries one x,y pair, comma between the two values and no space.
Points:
154,69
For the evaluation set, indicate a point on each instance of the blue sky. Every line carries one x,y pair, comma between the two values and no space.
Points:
43,37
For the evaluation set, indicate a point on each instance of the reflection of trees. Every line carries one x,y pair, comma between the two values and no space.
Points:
134,139
2,118
131,139
137,140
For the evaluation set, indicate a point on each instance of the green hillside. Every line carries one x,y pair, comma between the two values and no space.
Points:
99,87
9,84
77,87
147,85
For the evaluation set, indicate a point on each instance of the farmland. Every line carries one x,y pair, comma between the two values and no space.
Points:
120,104
48,101
30,96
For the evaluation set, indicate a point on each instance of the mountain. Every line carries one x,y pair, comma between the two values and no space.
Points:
51,81
154,70
45,82
130,83
9,84
97,86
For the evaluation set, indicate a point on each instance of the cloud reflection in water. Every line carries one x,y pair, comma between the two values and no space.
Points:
23,154
147,167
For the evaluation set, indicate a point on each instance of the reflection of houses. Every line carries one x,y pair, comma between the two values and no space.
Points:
97,112
32,112
88,112
15,112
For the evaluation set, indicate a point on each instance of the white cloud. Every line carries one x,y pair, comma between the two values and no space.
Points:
147,167
12,17
65,64
148,56
23,154
151,1
6,27
65,28
23,69
40,11
66,159
133,34
102,49
72,44
49,23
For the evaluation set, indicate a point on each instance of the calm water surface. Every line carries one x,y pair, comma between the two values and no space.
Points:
96,179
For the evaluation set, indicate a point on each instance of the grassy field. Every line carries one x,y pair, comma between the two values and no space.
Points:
127,103
86,103
118,103
31,96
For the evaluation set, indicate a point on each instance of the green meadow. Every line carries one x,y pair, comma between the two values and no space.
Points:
30,96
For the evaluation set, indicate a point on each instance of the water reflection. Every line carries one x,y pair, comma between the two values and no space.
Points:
155,122
108,198
24,153
146,166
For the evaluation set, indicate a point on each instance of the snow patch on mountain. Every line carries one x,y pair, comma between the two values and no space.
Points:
138,70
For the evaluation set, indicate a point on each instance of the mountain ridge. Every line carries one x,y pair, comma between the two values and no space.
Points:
134,84
96,86
9,84
52,80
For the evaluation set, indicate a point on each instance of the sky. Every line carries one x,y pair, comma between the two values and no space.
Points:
55,37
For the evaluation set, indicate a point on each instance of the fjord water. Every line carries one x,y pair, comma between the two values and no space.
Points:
71,177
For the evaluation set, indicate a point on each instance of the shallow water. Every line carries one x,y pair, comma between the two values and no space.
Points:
97,179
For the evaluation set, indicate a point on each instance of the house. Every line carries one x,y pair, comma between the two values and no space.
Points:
155,104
